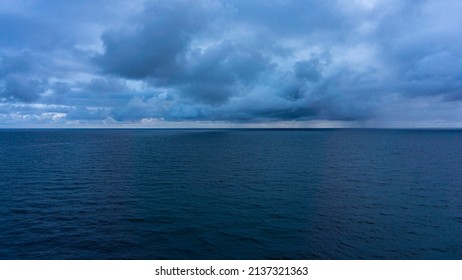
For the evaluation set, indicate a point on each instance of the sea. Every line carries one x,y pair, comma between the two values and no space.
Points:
303,194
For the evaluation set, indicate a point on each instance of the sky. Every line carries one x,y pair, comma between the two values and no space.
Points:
213,63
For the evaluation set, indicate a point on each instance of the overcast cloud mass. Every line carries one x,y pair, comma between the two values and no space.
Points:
165,63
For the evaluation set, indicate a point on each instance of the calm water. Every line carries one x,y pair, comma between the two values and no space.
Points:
230,194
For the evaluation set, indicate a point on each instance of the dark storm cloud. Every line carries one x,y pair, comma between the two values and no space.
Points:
214,75
309,70
22,89
155,42
159,47
173,47
238,61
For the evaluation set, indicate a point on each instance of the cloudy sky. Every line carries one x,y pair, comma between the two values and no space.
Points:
212,63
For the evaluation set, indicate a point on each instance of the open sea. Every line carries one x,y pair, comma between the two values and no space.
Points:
230,194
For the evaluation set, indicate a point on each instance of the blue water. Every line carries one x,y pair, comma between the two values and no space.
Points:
230,194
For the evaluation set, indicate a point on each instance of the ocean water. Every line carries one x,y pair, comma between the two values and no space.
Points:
230,194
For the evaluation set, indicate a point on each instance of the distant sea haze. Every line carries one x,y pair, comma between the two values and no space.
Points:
230,194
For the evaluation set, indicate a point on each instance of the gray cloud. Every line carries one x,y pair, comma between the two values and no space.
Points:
22,89
260,61
155,42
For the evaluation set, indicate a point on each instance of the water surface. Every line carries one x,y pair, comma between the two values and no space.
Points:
230,194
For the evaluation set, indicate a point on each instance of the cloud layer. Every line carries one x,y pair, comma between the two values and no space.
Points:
230,63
